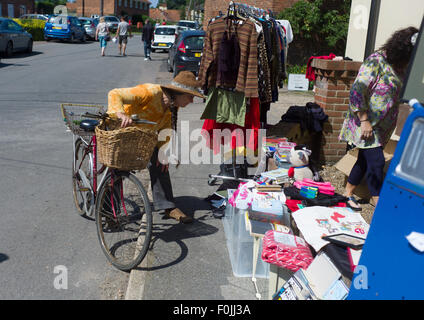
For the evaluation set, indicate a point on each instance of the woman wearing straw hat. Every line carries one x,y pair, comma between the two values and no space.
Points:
157,103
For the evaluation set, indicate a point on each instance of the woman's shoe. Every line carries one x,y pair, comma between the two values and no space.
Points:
351,198
178,215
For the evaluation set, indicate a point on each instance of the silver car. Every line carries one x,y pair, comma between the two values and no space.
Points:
90,26
112,22
13,37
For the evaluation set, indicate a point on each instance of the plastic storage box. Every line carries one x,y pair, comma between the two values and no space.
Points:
240,245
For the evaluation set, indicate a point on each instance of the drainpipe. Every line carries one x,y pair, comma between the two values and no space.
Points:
372,27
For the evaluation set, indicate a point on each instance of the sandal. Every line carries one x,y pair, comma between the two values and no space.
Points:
351,198
178,215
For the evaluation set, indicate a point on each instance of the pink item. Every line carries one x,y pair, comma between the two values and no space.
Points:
323,187
286,250
310,74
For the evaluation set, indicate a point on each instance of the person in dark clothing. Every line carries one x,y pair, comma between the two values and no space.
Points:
147,39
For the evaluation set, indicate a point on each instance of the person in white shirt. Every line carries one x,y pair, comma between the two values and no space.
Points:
102,31
122,33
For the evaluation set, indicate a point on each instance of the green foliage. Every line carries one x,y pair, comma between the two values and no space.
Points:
33,26
47,6
320,26
296,69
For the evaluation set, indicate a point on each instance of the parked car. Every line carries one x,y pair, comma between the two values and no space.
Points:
34,16
90,26
164,37
64,28
186,52
112,22
13,37
189,24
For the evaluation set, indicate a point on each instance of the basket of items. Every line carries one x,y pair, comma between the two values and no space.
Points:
128,148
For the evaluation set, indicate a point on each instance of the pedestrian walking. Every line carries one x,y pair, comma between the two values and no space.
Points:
102,32
122,33
147,38
373,110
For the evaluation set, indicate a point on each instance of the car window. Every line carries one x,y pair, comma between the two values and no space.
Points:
86,22
187,24
194,42
58,20
165,31
13,26
111,19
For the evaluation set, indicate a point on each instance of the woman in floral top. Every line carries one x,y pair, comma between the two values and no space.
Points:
373,110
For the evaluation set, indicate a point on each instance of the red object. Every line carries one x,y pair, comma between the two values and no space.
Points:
310,74
286,251
291,172
182,47
239,137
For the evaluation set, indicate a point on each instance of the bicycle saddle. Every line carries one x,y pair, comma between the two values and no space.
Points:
89,124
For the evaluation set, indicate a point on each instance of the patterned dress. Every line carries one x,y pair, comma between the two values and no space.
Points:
375,91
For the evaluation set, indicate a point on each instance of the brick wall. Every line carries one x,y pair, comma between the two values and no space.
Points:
110,7
332,86
212,7
17,11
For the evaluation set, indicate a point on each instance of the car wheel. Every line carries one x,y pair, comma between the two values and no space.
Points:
9,49
153,50
29,48
83,38
174,68
72,39
169,66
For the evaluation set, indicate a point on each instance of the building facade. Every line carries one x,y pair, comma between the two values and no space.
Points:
161,13
16,8
87,8
212,7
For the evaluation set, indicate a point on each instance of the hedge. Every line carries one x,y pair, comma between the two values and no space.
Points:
33,26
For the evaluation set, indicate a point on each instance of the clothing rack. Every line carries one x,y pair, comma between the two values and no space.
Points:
245,10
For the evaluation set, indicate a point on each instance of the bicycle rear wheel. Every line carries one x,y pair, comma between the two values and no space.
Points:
123,220
82,166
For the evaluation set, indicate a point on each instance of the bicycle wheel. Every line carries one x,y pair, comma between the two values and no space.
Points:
123,220
81,174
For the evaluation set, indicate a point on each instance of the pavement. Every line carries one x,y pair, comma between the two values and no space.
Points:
191,261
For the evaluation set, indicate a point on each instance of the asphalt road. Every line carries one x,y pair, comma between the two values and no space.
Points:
47,251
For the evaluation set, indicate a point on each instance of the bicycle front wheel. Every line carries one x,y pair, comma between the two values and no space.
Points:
123,220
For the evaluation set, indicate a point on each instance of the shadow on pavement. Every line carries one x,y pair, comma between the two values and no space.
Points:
3,257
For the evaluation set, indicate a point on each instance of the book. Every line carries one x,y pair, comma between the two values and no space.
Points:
266,216
259,228
279,173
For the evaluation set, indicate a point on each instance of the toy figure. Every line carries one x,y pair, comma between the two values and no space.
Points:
299,158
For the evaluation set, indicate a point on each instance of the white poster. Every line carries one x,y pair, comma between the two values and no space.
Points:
316,222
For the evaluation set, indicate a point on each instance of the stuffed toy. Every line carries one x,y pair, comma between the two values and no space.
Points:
299,159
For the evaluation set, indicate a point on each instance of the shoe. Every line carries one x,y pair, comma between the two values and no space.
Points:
150,58
145,59
178,215
351,198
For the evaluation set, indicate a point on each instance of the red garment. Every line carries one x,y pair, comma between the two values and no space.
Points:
310,74
239,138
292,204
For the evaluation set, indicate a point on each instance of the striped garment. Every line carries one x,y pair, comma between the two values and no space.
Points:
247,80
145,100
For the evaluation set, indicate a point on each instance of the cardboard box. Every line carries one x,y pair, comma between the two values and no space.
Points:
346,164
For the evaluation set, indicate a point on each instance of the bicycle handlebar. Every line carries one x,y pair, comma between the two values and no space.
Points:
104,116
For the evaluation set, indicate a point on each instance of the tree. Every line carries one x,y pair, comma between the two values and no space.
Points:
319,27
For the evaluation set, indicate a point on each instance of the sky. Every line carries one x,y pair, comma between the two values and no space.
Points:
154,3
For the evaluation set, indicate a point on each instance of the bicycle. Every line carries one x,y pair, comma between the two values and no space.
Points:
118,201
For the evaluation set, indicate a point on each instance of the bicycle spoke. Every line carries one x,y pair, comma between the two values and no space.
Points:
124,221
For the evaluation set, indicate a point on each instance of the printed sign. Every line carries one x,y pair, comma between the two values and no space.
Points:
298,82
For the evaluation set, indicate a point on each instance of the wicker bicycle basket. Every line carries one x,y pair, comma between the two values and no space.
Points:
128,148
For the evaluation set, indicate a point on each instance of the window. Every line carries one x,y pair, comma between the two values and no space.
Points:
22,10
165,31
120,3
131,3
10,10
194,43
125,3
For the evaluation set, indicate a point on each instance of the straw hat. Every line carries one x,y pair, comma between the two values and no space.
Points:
185,82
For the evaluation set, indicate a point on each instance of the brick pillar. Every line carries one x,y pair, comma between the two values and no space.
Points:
332,86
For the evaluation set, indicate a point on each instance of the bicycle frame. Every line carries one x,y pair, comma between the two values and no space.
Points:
90,150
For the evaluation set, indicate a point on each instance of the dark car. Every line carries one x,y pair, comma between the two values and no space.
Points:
186,52
13,37
64,28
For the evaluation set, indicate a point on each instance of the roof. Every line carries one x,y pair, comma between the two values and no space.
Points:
167,15
193,33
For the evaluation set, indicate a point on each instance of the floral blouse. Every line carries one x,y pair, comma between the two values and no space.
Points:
375,91
144,100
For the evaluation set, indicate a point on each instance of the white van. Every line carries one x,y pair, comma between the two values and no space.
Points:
164,37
